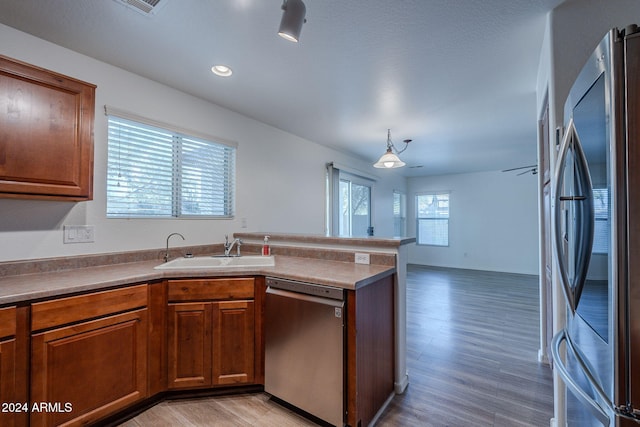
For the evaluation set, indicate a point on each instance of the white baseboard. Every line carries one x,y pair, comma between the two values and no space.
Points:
401,386
542,357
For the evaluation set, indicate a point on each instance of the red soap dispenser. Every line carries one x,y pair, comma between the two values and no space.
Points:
266,250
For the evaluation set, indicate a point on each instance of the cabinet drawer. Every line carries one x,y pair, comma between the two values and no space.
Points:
211,289
49,314
7,322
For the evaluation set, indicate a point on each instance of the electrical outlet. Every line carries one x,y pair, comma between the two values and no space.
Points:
78,234
362,258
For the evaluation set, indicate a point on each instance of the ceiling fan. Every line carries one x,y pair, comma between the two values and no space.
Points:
531,168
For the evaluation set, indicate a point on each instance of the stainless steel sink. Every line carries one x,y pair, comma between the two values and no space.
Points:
217,262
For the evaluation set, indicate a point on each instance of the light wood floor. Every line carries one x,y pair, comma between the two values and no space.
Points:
472,341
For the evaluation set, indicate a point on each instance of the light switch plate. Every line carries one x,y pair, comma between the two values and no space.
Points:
78,234
362,258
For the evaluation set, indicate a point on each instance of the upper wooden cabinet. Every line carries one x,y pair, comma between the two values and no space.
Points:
46,134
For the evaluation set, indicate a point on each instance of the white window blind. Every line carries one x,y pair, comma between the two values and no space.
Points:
159,173
433,219
399,213
601,226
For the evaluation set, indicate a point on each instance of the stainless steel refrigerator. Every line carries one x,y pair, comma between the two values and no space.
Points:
597,237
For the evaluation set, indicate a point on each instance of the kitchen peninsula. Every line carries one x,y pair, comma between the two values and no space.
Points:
57,306
380,251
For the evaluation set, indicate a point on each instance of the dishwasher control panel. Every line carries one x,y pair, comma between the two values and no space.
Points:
306,288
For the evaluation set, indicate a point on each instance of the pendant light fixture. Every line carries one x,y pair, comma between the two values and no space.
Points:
292,20
390,159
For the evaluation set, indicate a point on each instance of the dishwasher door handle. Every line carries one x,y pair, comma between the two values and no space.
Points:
305,297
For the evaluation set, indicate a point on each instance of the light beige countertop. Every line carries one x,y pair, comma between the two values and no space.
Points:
29,287
371,242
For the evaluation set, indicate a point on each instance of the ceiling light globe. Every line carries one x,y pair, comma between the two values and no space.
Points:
389,161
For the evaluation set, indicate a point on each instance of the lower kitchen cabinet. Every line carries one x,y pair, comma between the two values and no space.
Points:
370,350
189,345
82,359
233,342
13,366
88,356
211,341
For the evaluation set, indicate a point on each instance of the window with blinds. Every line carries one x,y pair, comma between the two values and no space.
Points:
154,172
399,213
601,233
433,219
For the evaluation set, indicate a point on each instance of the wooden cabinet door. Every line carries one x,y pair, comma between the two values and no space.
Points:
233,342
189,345
13,367
86,371
8,383
7,362
46,133
370,354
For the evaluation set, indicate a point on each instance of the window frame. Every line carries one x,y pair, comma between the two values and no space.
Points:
602,237
334,174
399,213
220,179
351,180
419,218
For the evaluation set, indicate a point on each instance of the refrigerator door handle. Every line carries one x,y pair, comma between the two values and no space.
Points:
582,204
577,391
573,198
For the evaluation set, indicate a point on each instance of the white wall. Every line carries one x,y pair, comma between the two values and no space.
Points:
493,222
280,177
577,26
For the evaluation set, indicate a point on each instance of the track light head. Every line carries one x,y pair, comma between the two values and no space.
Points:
293,15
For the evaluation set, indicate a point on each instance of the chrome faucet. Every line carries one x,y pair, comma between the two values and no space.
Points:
166,254
228,246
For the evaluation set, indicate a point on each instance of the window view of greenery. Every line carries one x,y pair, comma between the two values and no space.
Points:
433,219
153,172
355,209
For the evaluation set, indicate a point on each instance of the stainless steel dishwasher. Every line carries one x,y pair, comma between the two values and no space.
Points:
304,347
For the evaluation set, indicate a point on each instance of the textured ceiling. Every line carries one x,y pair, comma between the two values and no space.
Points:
456,76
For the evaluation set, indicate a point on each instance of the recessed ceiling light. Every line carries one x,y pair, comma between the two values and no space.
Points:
221,70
